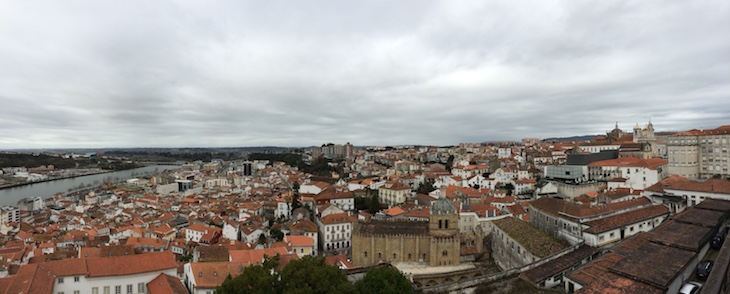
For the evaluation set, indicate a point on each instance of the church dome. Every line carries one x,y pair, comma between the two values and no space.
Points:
443,206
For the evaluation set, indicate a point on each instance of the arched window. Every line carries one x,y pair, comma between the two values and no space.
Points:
366,254
424,256
446,226
380,255
394,256
409,256
445,253
439,224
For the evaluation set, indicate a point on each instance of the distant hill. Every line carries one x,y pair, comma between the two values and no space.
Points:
573,138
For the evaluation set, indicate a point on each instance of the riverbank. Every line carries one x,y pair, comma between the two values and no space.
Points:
9,195
54,179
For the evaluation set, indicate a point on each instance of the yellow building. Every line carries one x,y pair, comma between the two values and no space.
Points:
394,193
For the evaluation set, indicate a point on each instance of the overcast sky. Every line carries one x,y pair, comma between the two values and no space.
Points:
299,73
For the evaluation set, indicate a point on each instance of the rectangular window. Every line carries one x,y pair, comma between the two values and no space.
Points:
130,289
118,289
60,280
76,279
140,287
95,290
106,290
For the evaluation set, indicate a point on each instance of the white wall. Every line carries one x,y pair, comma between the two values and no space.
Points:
86,284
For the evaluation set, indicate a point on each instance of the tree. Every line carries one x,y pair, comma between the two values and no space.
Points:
450,162
426,188
306,275
295,198
311,275
254,279
362,203
262,239
383,280
276,234
374,204
509,187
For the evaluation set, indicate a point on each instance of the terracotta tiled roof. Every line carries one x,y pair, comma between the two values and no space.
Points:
395,185
338,260
333,194
254,256
676,182
197,227
394,211
304,225
722,130
619,220
212,274
556,206
555,266
165,284
126,265
40,278
32,278
299,241
337,218
651,163
419,212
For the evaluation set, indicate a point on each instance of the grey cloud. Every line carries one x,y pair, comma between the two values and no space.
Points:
230,73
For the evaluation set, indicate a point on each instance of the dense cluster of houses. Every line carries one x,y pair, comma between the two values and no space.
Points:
194,227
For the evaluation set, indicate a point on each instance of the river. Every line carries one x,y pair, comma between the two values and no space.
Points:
10,196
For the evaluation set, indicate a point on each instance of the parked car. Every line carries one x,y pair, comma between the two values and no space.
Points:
717,241
704,268
690,288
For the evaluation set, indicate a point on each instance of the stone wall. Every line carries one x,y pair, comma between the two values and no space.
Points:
372,249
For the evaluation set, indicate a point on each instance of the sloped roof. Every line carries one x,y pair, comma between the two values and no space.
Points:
555,266
127,265
619,220
534,240
165,284
676,182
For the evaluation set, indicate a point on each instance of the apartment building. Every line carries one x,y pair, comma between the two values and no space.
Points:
699,154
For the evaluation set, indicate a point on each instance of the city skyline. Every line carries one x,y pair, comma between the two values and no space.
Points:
226,74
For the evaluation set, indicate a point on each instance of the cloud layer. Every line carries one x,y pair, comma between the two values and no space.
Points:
298,73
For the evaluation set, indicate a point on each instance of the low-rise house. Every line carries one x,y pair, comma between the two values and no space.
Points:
565,219
307,228
343,200
393,193
204,277
301,245
675,191
251,233
195,231
615,228
124,274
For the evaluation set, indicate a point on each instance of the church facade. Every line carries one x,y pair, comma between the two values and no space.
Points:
436,242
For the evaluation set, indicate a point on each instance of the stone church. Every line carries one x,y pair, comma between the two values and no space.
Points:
435,242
